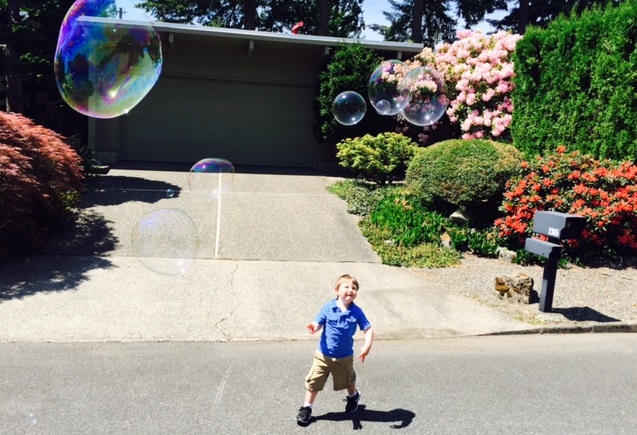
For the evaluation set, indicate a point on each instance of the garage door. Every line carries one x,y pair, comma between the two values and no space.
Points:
248,123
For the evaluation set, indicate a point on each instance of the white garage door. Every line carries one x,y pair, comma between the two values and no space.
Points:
248,123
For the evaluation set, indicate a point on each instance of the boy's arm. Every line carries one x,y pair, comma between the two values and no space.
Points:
369,340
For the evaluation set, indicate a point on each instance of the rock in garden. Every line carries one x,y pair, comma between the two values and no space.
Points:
516,288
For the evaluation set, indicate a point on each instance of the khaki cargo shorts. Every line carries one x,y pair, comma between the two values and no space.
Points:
341,369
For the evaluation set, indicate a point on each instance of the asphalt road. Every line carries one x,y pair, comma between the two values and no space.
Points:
537,384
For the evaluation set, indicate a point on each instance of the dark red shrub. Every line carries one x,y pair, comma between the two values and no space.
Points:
40,181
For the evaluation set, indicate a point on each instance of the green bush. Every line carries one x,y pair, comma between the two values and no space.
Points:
361,196
380,159
469,175
403,233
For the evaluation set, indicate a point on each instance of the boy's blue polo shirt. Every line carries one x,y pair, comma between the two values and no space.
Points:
339,327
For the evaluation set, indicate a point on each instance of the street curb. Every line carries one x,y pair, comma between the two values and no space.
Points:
572,329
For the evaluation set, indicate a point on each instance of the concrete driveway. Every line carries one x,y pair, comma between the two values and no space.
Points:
269,253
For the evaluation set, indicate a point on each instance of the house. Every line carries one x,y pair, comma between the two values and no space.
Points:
245,96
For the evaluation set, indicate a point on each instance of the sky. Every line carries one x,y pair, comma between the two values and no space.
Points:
373,14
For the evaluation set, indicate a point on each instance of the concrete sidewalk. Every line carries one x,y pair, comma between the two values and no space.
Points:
283,240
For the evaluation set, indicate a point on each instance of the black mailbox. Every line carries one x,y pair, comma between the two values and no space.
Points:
556,226
542,248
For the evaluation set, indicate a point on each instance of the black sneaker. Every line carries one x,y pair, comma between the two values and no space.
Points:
305,416
352,402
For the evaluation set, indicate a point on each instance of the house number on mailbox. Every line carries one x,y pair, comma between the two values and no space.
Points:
553,232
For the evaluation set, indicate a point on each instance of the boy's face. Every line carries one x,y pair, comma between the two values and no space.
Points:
346,292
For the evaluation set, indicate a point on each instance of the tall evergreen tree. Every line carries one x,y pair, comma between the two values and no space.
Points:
432,21
29,35
540,13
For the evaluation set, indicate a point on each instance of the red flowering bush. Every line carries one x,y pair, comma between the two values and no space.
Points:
603,191
40,181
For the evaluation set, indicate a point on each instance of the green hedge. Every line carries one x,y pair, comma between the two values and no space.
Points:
576,85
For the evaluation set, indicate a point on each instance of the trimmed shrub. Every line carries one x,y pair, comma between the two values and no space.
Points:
602,191
469,175
40,182
380,159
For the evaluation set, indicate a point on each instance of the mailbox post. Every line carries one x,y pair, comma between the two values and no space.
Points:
557,227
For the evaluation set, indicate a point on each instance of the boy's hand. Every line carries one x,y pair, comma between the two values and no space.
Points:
364,352
312,327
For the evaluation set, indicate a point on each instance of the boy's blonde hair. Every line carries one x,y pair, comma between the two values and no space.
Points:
349,278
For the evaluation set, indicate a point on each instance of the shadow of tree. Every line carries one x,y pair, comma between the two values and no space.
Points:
70,252
583,314
402,417
117,189
88,234
34,274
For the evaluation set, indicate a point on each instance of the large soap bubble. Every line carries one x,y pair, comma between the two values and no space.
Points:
428,98
108,57
165,241
210,178
349,108
383,89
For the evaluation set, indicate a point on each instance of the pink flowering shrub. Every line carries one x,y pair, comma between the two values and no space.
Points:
479,72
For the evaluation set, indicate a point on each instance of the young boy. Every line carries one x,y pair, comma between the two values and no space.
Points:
335,355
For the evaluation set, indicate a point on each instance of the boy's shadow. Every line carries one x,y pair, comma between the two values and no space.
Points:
402,417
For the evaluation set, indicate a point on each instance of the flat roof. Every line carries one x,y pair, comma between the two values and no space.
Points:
257,35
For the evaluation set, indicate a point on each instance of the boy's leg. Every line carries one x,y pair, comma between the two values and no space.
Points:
344,377
309,397
314,382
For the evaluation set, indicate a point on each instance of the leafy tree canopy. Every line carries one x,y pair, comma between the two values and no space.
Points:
345,16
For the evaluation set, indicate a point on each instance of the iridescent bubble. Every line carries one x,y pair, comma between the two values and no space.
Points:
349,107
108,57
170,193
428,98
383,89
210,178
165,241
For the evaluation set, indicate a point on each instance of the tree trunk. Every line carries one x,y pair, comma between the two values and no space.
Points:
524,16
416,20
324,18
249,14
13,75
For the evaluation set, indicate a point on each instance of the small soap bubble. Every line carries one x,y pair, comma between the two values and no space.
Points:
165,241
428,98
383,107
108,57
210,178
349,108
383,88
170,193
